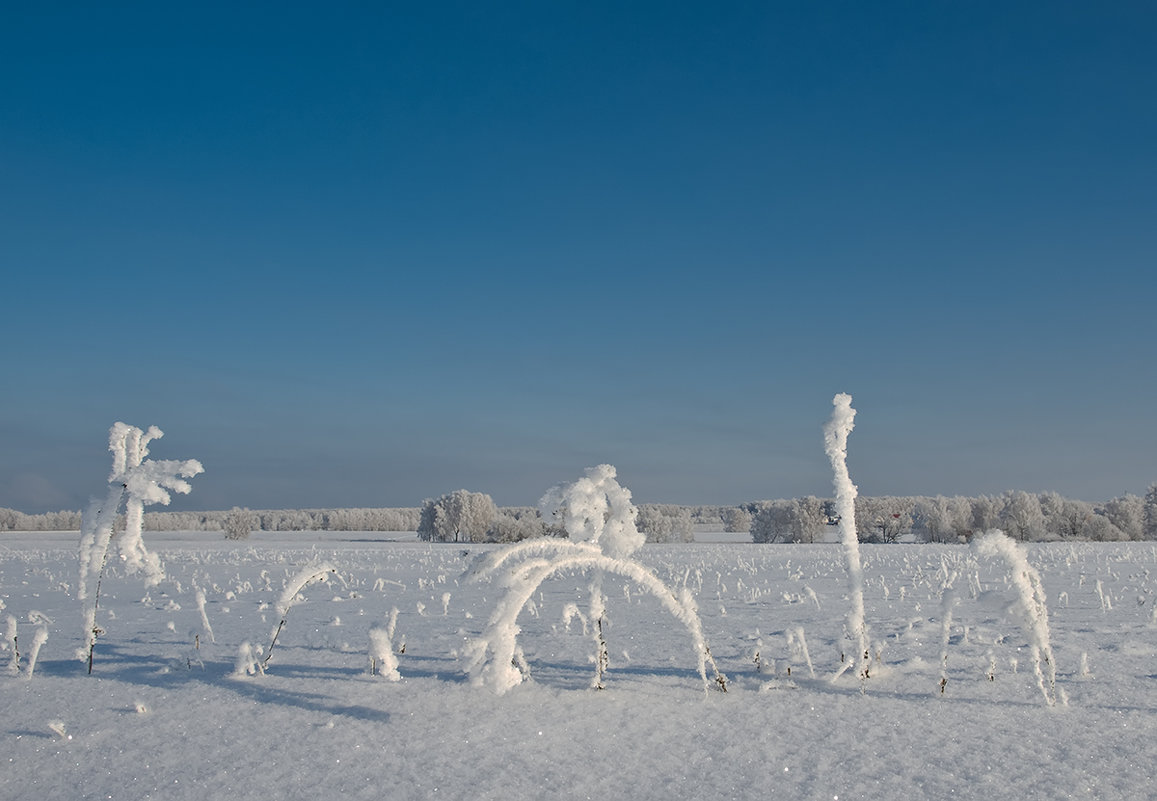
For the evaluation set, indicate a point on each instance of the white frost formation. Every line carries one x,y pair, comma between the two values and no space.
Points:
596,509
836,445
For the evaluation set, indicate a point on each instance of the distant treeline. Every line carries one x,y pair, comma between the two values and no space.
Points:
463,516
1025,516
389,519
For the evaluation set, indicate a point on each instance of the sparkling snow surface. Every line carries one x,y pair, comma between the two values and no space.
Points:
160,718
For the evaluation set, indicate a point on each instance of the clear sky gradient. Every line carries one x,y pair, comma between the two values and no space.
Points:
365,254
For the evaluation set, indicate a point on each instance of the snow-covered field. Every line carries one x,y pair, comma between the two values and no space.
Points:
163,718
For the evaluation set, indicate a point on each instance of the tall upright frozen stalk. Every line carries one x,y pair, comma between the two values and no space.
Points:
1030,604
10,637
136,481
836,445
947,601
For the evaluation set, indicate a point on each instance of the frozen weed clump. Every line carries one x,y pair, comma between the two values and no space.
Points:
249,661
1030,606
383,661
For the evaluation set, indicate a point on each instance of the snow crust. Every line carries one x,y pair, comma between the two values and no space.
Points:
165,716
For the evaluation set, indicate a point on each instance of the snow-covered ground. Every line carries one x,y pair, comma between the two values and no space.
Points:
162,718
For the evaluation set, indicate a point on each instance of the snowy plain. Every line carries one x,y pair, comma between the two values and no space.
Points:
166,716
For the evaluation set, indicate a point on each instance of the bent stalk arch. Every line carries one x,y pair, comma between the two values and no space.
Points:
499,640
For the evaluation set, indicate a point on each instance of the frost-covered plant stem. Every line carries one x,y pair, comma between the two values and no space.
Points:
598,611
10,636
287,601
836,445
95,536
797,642
38,641
204,616
1031,605
946,604
493,655
137,482
383,661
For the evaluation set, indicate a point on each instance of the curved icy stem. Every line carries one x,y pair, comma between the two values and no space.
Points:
499,640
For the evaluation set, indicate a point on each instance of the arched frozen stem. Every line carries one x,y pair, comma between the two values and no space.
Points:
493,654
287,601
1031,605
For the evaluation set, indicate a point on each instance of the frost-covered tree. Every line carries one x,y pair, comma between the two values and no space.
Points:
773,521
1149,528
809,518
985,513
1021,516
1127,513
665,523
1098,528
1064,518
239,523
459,516
942,519
884,518
736,519
516,524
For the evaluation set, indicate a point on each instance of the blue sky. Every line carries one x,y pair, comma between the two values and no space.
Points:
365,254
